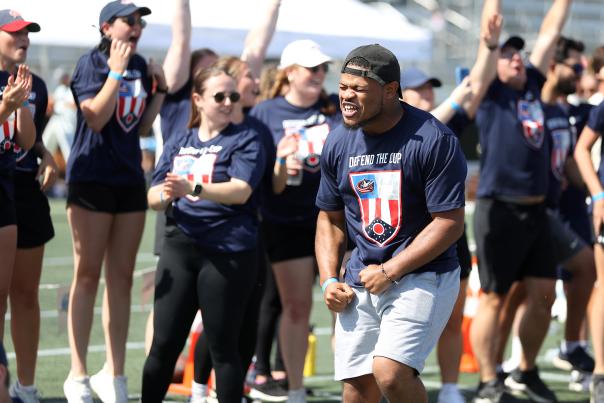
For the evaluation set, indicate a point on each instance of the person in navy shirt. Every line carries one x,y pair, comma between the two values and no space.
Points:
206,178
33,212
594,181
113,90
301,109
510,223
392,179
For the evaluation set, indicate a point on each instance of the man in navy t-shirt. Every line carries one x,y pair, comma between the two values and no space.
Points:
392,178
510,223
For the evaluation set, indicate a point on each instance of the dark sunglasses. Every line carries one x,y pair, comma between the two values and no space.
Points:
132,20
316,69
577,67
219,97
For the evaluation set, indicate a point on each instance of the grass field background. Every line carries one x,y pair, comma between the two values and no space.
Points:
53,358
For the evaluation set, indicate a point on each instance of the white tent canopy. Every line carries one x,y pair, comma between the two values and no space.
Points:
337,25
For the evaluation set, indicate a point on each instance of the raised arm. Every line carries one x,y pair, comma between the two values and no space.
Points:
259,37
450,106
550,30
177,61
484,70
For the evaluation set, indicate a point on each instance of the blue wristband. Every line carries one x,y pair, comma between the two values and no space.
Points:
597,196
328,282
25,104
115,75
456,107
161,196
281,160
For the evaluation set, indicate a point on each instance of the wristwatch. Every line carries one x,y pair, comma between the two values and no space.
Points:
197,189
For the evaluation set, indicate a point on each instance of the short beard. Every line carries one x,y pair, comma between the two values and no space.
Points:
366,121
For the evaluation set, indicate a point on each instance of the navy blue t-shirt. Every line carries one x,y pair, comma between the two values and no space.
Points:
573,208
235,153
388,186
113,156
514,159
175,111
596,123
38,102
296,204
557,128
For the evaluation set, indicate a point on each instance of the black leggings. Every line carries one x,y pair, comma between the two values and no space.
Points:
189,279
270,312
247,340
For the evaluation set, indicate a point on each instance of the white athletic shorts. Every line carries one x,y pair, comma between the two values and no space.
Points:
403,323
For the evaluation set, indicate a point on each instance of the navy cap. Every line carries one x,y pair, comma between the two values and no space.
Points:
413,77
120,8
11,21
515,42
383,65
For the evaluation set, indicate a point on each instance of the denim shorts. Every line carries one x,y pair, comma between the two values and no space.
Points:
403,323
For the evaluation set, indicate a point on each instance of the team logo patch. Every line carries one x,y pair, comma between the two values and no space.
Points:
311,144
530,115
130,103
379,197
561,145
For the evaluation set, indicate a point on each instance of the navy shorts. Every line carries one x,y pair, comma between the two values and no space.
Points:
108,199
287,241
33,212
8,216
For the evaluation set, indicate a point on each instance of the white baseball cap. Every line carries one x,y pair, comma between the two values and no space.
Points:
304,52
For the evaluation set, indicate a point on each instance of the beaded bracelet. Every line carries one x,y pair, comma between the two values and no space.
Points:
387,276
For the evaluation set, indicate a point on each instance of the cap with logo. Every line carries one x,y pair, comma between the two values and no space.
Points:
303,52
11,21
413,77
120,8
383,65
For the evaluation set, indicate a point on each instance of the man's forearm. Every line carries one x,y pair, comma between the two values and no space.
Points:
330,243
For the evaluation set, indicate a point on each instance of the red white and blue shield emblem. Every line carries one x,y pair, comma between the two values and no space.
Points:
560,148
130,103
379,197
310,145
530,115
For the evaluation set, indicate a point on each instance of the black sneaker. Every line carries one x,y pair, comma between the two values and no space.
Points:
270,391
492,392
577,359
530,383
597,389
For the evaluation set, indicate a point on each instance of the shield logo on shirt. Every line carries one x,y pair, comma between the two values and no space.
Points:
311,144
130,103
379,197
530,115
560,149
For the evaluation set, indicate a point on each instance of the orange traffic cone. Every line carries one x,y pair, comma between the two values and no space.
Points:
184,388
468,363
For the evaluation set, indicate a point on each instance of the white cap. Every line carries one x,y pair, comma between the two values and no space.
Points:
304,52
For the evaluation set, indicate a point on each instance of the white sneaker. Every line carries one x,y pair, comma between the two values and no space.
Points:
77,390
25,395
110,389
450,394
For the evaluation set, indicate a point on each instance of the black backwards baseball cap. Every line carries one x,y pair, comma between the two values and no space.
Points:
11,21
383,65
514,41
120,8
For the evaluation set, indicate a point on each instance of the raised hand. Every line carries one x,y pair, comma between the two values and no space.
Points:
119,56
492,30
17,89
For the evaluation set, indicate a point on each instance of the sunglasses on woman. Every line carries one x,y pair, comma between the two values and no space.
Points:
577,67
219,97
132,20
315,69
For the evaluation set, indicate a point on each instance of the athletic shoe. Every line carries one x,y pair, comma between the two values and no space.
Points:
450,394
529,383
492,392
269,391
110,389
579,381
77,390
597,389
577,359
25,395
